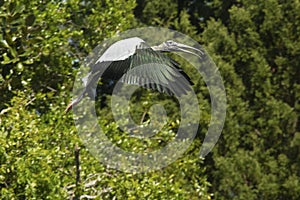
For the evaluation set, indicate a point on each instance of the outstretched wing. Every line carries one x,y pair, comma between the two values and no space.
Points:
146,68
150,69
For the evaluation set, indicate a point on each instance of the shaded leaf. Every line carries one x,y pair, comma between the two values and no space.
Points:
30,20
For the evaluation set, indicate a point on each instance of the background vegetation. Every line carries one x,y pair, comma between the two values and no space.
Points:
256,46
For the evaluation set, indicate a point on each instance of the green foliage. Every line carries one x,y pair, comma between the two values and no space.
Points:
159,13
36,152
41,46
255,44
41,39
37,162
177,181
255,159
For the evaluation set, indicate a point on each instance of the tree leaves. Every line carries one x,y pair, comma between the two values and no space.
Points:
256,46
30,20
39,41
249,44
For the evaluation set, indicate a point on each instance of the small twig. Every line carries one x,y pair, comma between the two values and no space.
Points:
257,132
50,88
91,183
143,117
30,101
5,111
77,162
88,196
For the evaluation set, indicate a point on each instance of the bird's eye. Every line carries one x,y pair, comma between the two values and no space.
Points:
170,42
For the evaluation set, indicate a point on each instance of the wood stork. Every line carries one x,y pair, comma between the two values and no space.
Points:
132,61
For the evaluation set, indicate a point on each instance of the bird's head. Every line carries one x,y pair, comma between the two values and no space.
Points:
172,46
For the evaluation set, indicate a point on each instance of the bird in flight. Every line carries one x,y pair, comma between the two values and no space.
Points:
132,61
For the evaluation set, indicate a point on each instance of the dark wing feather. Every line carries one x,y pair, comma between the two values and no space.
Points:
155,70
146,68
